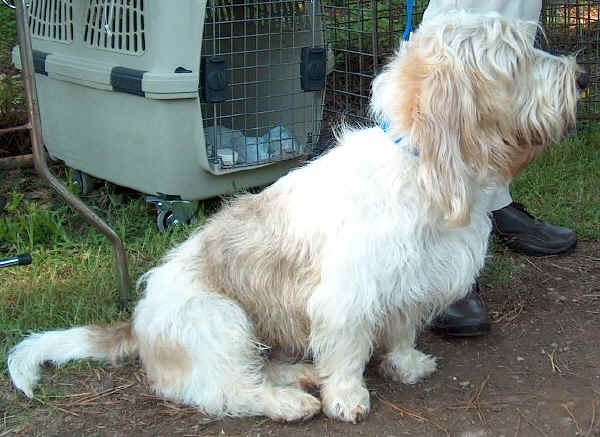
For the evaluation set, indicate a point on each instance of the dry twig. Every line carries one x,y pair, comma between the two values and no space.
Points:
475,402
95,396
413,414
76,395
65,410
14,431
562,268
555,367
511,314
566,407
518,427
534,265
537,428
592,421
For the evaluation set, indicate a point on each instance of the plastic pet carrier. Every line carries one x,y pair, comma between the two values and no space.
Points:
183,99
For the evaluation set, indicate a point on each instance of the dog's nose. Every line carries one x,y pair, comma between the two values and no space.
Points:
583,80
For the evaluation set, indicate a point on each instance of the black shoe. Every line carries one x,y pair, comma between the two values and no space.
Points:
523,233
464,318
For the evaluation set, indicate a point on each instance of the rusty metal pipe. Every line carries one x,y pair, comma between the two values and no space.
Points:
40,159
9,130
20,161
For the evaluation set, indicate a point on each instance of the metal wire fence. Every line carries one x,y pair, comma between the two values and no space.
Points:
360,34
363,33
574,27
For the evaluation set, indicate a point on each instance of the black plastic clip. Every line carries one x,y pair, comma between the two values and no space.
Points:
214,79
313,68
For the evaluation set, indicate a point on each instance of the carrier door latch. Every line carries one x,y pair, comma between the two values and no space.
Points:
214,79
313,68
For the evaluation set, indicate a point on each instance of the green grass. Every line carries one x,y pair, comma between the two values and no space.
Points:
561,186
501,266
72,279
12,111
8,35
8,27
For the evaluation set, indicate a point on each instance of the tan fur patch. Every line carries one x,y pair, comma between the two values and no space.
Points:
443,131
301,374
251,256
167,365
116,341
410,74
522,160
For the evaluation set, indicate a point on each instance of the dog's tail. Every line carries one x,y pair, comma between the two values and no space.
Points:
112,343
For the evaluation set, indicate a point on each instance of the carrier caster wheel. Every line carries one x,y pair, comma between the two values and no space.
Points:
83,182
165,220
173,212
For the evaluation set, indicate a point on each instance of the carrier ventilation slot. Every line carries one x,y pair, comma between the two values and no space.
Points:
51,20
116,25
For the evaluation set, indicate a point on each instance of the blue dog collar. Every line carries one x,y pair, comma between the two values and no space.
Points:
384,125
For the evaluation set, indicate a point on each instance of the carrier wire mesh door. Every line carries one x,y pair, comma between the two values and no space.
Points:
266,116
364,33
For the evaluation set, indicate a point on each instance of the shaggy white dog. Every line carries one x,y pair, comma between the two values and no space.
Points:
350,254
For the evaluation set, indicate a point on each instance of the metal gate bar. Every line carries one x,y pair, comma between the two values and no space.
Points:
40,158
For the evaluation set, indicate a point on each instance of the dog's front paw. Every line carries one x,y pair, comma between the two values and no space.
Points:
291,405
408,366
348,404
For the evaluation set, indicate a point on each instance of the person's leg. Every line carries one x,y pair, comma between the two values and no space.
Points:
464,318
523,233
528,10
518,229
468,317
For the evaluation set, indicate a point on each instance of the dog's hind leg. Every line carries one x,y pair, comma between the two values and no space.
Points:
300,374
403,362
199,348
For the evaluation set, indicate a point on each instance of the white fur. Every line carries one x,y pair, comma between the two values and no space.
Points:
343,257
56,346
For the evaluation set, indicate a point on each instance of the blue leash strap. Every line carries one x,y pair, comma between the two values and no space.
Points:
385,124
409,14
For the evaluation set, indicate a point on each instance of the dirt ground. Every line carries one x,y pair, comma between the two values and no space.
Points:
537,374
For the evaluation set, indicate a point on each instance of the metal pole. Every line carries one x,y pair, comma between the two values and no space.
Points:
39,154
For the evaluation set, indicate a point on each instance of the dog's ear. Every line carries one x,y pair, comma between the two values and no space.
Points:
432,102
444,130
